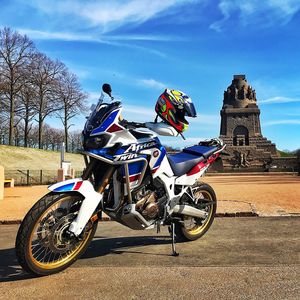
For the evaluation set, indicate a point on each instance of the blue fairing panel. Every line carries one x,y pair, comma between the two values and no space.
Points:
102,152
134,168
108,121
161,157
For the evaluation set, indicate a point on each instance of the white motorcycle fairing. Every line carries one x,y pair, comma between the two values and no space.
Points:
89,204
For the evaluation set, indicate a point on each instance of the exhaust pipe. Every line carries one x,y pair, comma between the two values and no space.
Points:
189,211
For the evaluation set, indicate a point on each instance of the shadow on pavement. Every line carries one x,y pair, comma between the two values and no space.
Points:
104,246
11,271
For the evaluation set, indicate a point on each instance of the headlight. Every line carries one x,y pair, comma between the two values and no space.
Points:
96,142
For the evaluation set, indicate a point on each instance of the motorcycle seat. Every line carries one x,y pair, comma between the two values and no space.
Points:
204,151
182,162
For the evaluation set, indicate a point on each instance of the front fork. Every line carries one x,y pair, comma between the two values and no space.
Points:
92,197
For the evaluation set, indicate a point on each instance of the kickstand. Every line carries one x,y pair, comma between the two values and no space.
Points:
172,231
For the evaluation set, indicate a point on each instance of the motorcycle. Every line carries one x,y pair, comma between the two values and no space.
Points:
131,178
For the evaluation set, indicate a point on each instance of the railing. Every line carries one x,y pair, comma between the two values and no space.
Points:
34,177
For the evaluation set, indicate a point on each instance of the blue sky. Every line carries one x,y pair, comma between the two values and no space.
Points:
142,47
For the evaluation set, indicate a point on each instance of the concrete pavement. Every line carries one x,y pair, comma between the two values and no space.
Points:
240,258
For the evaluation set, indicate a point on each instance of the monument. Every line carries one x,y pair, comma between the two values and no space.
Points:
241,130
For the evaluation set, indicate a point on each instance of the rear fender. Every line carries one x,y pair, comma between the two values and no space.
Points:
89,204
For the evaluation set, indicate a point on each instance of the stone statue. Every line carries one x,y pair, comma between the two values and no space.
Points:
241,159
244,162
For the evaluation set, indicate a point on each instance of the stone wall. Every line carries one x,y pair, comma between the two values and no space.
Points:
287,163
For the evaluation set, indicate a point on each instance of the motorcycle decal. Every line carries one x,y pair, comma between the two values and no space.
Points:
139,147
64,188
124,157
73,186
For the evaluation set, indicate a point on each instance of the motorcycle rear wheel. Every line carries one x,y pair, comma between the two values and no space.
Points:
191,228
43,246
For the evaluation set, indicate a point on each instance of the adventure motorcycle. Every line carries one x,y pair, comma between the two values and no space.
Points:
129,176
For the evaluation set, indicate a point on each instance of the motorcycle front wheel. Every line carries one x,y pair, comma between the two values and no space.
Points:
190,228
43,245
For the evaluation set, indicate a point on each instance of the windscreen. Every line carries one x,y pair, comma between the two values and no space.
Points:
98,115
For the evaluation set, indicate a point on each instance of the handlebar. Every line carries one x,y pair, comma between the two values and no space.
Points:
132,125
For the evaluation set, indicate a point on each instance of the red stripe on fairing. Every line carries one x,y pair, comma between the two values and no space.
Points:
134,177
77,185
114,128
196,169
154,170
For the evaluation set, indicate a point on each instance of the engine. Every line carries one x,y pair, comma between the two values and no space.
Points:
146,204
150,200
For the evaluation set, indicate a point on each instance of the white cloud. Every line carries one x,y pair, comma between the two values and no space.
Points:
262,13
152,83
279,99
69,36
152,38
282,122
65,36
106,14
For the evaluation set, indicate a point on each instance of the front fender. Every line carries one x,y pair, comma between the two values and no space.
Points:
89,204
83,187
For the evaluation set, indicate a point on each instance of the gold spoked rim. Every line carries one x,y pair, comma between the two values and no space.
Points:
195,226
49,247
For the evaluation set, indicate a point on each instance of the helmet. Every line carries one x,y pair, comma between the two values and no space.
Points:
172,106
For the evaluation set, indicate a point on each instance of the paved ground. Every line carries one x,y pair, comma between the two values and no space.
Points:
264,195
271,195
240,258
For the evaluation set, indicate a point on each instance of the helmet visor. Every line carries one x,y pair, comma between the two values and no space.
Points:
190,109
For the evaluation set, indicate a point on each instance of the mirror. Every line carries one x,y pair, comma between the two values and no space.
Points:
106,88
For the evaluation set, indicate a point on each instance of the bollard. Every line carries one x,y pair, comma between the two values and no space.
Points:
1,182
60,175
28,177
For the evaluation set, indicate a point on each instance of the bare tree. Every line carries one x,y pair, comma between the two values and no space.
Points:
75,140
4,124
33,140
53,138
72,99
15,49
45,74
26,104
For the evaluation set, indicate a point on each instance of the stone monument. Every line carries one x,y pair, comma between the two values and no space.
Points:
241,130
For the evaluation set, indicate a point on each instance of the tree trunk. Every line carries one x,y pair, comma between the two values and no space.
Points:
40,132
41,120
11,115
26,121
66,133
